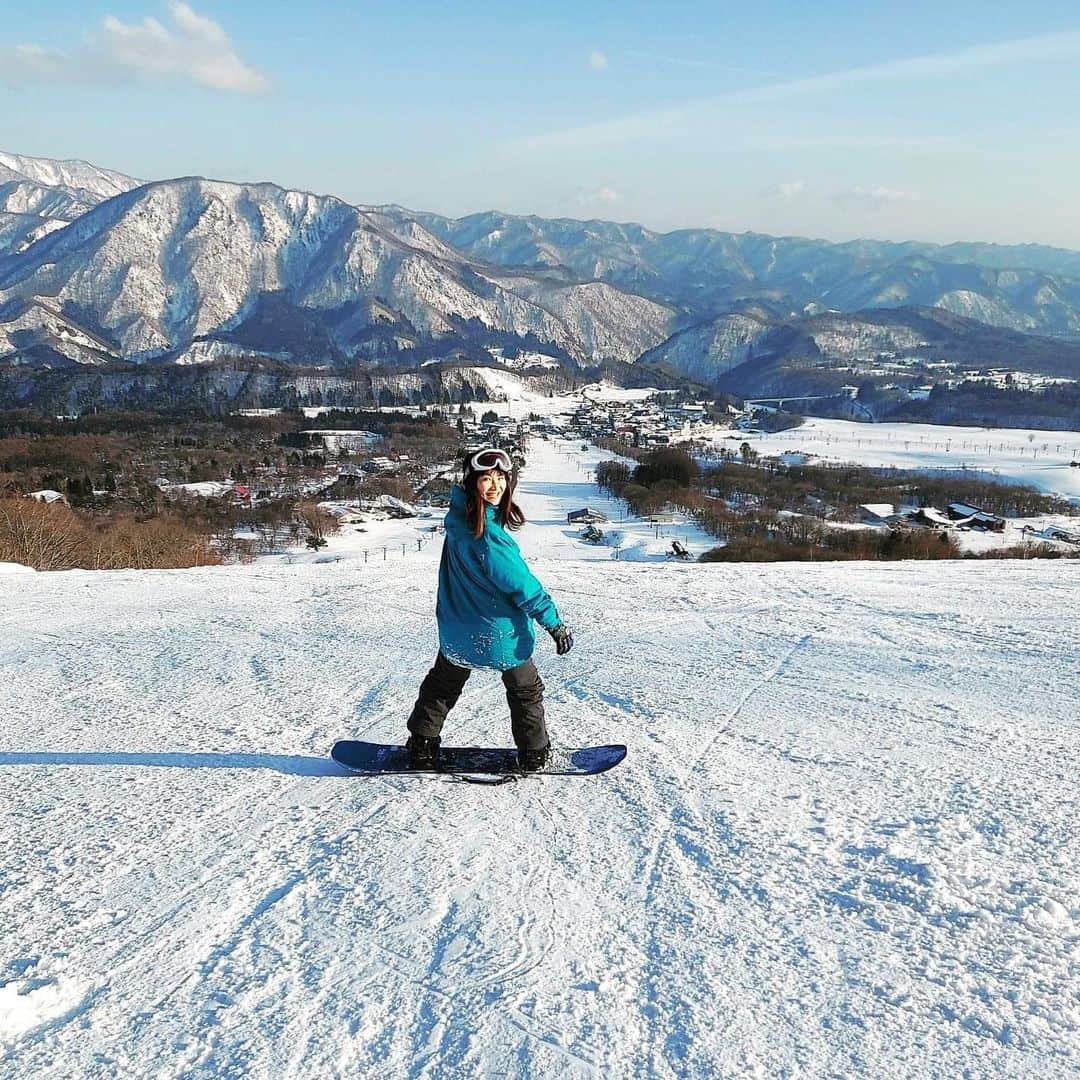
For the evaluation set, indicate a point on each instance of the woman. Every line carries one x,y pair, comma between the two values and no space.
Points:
487,601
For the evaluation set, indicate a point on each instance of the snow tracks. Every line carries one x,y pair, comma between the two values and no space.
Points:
841,844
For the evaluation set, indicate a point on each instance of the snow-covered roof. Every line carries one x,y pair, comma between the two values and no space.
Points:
391,503
934,515
207,489
964,509
880,510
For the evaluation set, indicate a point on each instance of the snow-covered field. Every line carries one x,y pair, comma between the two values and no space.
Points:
1039,458
843,842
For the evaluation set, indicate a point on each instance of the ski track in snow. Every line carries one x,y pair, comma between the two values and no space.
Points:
843,841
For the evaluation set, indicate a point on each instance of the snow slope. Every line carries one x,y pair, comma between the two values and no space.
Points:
843,842
559,479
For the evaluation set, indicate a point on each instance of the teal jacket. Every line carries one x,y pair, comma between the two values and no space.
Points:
488,597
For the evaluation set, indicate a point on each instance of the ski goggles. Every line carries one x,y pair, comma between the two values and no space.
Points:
483,460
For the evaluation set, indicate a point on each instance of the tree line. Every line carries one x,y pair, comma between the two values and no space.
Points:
770,512
114,513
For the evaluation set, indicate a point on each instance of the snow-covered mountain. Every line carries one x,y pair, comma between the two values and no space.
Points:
39,195
19,231
842,844
171,268
75,177
748,352
708,350
34,332
1023,287
1015,299
245,383
24,197
193,271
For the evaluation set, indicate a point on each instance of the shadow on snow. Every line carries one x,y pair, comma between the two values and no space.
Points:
282,763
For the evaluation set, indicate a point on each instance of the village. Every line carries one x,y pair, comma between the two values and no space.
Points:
311,481
644,424
352,490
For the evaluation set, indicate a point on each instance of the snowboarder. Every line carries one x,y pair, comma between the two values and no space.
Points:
487,600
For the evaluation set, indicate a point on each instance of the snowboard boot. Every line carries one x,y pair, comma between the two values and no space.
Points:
423,752
533,759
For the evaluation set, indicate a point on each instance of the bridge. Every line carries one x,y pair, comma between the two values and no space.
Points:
776,404
768,402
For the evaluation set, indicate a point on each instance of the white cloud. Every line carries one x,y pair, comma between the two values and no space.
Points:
598,61
687,119
193,48
874,198
32,61
791,190
593,197
859,197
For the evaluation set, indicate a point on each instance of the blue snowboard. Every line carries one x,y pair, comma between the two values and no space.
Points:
373,759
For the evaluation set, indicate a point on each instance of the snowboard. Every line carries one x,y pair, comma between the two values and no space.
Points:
373,759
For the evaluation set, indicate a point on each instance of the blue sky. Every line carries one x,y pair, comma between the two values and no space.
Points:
939,122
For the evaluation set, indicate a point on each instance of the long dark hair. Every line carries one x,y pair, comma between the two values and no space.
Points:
508,514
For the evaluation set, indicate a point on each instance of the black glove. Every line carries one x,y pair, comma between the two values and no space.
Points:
564,640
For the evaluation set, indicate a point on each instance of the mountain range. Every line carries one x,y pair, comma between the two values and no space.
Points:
749,352
98,268
190,270
1026,287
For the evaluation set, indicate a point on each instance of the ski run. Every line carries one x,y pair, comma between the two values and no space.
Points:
843,842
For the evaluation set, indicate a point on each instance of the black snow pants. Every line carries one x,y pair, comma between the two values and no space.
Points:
442,687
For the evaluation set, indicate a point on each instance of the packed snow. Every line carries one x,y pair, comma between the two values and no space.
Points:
843,841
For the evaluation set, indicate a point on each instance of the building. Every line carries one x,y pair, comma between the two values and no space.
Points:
585,516
342,442
974,516
794,457
47,495
877,513
931,517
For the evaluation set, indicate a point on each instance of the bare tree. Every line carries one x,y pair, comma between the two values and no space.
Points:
46,537
317,521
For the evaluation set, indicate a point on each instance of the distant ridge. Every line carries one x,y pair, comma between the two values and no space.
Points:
71,176
96,268
190,269
1029,287
39,195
